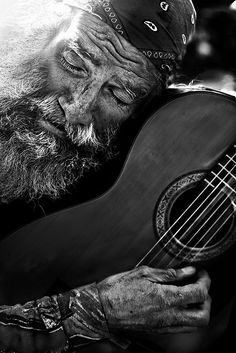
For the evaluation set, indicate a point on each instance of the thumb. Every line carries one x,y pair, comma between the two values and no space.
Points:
185,273
170,275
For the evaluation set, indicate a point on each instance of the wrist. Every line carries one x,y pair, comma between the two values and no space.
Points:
114,323
82,313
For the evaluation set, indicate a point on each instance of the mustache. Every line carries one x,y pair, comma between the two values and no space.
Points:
83,135
87,135
25,114
79,135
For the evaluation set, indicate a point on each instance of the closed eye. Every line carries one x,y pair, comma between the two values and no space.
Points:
122,96
72,62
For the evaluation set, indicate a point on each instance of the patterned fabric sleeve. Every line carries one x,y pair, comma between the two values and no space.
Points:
51,324
83,316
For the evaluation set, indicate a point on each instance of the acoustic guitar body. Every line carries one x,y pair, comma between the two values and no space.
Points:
172,154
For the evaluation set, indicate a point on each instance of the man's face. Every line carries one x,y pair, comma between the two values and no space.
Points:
67,83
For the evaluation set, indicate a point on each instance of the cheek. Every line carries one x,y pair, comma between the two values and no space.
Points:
57,78
109,112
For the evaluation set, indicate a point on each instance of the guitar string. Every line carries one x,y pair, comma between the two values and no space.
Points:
170,228
224,183
181,237
203,236
208,219
214,234
189,228
179,218
183,249
222,224
216,198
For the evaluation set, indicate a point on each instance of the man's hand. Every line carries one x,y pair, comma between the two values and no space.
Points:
156,301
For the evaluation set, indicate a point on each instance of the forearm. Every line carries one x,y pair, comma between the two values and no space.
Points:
50,323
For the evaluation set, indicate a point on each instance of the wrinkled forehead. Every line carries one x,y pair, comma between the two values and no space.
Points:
30,26
97,35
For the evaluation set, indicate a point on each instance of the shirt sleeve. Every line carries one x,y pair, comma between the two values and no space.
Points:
53,323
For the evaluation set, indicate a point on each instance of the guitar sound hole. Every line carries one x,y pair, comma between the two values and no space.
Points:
201,219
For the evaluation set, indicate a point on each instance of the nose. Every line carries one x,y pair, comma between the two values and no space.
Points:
78,107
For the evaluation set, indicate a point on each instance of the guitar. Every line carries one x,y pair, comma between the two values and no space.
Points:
173,203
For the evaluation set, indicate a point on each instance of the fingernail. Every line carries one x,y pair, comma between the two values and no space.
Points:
189,270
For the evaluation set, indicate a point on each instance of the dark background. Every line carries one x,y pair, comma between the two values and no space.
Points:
219,25
200,4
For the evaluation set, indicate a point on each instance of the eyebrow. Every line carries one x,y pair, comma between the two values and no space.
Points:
80,50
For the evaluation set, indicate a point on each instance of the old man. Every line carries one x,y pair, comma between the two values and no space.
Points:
71,73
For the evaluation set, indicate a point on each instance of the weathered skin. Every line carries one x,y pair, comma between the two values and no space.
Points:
111,76
78,79
95,73
154,301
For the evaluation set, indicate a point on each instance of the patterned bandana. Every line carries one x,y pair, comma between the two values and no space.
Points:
159,29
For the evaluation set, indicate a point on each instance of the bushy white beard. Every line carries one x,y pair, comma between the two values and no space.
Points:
36,163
